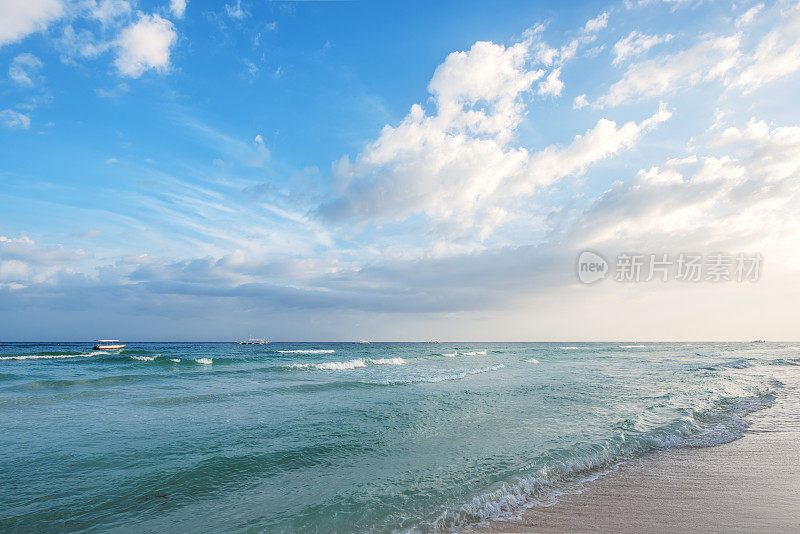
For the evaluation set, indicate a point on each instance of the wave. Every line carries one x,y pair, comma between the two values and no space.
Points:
532,360
145,358
307,351
568,348
442,377
741,363
366,384
103,381
387,361
465,353
713,353
745,363
176,360
351,364
204,361
561,471
54,356
633,346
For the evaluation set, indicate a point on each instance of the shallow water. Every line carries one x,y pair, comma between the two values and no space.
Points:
348,437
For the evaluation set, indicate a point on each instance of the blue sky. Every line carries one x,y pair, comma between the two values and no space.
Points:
347,170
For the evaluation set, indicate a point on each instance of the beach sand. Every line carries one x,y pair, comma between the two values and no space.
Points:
748,485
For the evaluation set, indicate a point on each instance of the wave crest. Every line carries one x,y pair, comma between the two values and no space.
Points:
307,351
350,364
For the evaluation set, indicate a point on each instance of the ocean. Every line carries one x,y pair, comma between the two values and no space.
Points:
344,437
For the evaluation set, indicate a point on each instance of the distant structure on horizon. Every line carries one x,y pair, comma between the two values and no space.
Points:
254,341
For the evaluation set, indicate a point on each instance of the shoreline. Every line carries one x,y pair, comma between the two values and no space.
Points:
751,484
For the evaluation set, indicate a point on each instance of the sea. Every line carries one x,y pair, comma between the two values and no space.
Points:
347,437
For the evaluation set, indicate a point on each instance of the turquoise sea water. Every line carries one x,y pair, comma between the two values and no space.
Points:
341,437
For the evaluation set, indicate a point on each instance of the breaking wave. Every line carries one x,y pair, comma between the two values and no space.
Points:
465,353
56,356
307,351
559,471
351,364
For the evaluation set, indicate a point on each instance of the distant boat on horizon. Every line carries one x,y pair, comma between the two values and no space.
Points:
254,341
107,344
363,342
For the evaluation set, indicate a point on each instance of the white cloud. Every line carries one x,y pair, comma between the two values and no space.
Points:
709,59
777,54
597,23
252,69
14,119
24,68
714,202
543,53
675,3
599,143
261,155
636,43
79,44
459,167
552,85
487,72
22,261
108,11
441,164
178,8
113,92
748,16
235,11
580,102
19,18
755,130
144,45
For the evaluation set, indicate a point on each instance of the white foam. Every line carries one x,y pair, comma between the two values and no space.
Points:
339,366
176,360
569,475
532,360
632,346
308,351
387,361
204,361
144,358
568,348
462,374
52,356
474,353
351,364
449,354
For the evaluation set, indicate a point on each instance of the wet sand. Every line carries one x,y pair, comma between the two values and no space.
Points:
749,485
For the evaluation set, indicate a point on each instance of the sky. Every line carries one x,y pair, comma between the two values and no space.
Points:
188,170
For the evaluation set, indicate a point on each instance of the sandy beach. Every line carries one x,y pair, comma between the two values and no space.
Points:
748,485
